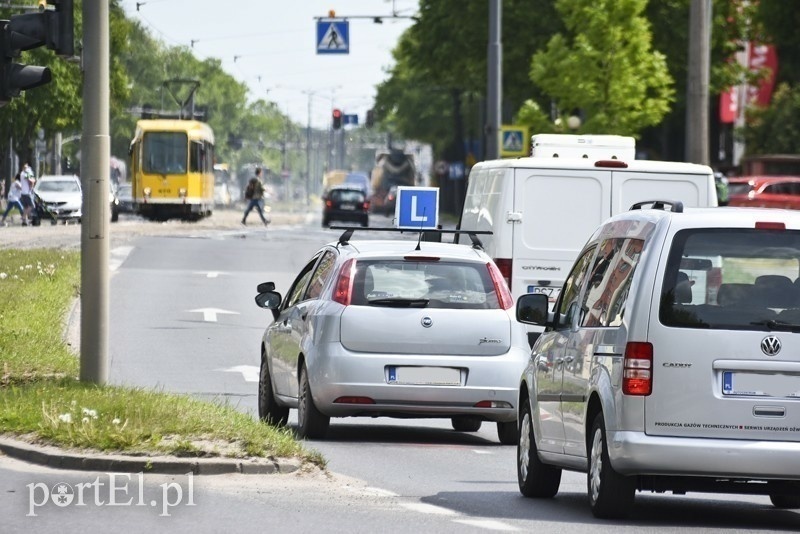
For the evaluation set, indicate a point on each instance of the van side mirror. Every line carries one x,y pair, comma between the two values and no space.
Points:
533,309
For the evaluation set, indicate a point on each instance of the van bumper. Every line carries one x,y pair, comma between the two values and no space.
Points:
636,453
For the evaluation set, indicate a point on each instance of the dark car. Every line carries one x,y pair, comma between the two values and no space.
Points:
345,203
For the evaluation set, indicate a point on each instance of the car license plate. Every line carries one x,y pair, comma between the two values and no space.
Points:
551,291
760,384
425,376
347,207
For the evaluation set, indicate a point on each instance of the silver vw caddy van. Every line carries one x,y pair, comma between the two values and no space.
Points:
670,361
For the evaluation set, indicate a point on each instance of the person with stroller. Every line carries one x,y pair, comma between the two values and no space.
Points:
14,195
254,194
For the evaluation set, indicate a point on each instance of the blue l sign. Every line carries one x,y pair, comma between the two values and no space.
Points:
417,208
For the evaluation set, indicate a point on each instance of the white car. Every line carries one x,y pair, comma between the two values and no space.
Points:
61,197
388,328
671,361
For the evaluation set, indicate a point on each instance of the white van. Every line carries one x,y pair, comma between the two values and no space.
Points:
670,361
541,208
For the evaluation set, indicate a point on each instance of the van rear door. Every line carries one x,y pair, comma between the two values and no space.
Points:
558,210
629,187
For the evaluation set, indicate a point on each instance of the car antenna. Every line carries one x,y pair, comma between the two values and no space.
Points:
345,237
421,229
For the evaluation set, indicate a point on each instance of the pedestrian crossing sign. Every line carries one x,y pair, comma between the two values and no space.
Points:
333,36
513,141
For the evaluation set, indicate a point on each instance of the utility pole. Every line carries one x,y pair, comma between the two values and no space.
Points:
697,82
95,168
494,89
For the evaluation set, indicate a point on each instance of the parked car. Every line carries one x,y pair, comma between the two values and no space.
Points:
346,202
671,360
60,198
765,191
385,328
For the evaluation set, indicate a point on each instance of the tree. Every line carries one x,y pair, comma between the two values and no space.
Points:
604,66
776,128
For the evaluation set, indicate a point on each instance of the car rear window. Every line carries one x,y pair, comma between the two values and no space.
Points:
346,195
738,279
739,188
424,284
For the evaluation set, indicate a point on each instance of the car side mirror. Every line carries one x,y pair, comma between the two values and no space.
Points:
533,309
265,286
270,300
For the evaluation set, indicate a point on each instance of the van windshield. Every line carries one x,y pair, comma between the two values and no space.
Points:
732,278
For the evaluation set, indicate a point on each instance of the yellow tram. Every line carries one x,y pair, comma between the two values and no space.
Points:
172,169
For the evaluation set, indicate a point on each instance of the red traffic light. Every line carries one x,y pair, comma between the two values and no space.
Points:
337,119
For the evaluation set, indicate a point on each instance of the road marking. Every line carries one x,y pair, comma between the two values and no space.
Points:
249,372
210,274
117,257
488,524
210,314
424,508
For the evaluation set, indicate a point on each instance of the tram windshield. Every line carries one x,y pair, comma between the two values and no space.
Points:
165,152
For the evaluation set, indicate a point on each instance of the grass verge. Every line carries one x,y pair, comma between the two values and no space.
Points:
41,399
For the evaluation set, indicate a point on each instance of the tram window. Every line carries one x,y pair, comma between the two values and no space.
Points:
165,152
196,157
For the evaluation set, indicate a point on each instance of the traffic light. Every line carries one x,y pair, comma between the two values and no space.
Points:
53,28
337,119
370,122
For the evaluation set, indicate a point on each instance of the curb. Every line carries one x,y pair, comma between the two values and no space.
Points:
168,465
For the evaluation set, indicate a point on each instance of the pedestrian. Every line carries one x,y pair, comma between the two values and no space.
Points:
27,181
254,194
14,194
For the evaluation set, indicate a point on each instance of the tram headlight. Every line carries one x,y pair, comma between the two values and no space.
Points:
147,192
182,192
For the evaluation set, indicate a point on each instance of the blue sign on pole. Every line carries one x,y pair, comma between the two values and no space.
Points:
351,119
333,36
417,208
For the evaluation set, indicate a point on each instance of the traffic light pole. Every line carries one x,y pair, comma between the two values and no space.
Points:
95,169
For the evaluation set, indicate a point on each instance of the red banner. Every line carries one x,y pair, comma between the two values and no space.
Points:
762,57
729,105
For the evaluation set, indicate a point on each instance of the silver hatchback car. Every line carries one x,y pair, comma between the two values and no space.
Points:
386,328
671,361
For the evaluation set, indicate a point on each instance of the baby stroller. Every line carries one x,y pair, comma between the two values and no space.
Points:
40,212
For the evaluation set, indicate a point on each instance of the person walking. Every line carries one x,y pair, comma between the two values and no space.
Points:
14,194
28,181
254,194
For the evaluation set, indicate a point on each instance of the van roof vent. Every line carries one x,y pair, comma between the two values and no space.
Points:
675,206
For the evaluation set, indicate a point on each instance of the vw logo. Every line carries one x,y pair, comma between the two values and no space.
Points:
770,345
427,322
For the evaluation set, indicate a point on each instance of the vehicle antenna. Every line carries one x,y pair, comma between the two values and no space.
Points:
421,229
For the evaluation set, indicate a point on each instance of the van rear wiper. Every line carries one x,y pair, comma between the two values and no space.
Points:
773,324
399,302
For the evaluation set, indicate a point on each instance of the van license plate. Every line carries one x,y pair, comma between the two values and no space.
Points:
425,376
551,292
760,384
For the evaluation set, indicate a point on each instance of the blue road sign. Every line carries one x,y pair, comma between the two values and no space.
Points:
351,119
417,208
333,36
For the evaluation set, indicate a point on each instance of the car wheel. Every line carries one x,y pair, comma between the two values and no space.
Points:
268,409
310,422
507,432
365,222
535,478
610,494
114,216
466,423
325,223
785,502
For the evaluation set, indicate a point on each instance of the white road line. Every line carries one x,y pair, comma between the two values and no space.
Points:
488,524
424,508
250,373
117,257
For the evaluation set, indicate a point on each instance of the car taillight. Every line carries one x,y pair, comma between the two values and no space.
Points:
366,205
344,285
637,369
503,294
328,203
504,264
770,226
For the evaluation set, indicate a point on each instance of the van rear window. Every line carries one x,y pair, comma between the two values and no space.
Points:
732,278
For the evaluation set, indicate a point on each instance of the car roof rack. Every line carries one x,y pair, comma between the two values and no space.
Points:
676,206
344,239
